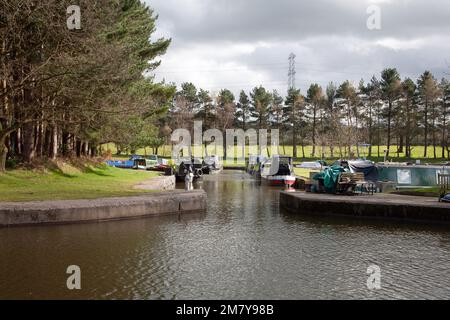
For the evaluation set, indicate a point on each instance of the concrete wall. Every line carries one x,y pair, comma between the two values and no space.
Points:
76,211
380,206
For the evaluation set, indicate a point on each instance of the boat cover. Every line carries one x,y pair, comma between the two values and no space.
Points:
367,167
330,178
446,198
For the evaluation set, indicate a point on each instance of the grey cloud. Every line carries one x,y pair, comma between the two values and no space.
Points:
330,38
290,20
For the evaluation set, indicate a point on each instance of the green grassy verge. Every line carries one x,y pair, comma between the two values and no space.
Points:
68,182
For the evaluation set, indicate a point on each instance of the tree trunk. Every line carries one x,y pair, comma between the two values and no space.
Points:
378,131
78,148
425,152
370,130
225,150
407,131
401,143
433,128
47,142
443,137
389,128
93,150
65,143
407,147
294,142
54,143
303,150
3,154
40,140
28,142
314,132
19,142
434,144
13,142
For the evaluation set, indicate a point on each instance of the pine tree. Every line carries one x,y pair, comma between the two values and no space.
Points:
206,109
261,100
315,99
445,117
428,90
408,92
275,110
347,94
294,119
244,111
390,87
75,84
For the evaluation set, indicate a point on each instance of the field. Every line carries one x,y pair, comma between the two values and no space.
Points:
417,153
69,182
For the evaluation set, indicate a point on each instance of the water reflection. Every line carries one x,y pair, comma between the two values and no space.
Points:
243,247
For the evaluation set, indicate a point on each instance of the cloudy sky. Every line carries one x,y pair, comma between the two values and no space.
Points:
239,44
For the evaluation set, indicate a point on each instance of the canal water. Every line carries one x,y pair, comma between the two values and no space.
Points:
243,247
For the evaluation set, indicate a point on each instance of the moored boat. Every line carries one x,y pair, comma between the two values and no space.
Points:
278,171
254,163
212,164
187,165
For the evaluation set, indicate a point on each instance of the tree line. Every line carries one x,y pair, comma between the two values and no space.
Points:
66,92
381,113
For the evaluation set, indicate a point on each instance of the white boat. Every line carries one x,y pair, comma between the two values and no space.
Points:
254,163
278,171
212,164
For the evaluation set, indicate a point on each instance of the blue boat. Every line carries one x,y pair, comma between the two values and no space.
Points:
126,164
132,163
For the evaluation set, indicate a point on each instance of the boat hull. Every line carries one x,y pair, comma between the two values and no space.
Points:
279,180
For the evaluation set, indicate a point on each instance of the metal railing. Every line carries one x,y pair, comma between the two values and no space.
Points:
444,184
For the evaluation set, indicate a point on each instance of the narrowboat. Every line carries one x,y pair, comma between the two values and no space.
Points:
212,164
254,163
184,166
278,171
132,163
136,162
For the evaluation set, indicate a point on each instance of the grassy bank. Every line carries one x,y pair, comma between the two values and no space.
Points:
64,181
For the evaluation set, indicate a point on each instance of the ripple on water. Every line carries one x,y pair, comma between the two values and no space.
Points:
242,248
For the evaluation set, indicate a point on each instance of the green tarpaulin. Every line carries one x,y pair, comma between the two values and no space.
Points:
330,178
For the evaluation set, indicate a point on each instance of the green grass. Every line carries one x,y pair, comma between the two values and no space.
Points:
434,190
303,172
417,153
70,183
233,164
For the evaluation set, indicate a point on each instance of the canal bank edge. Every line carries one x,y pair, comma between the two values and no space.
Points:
160,183
380,206
79,211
